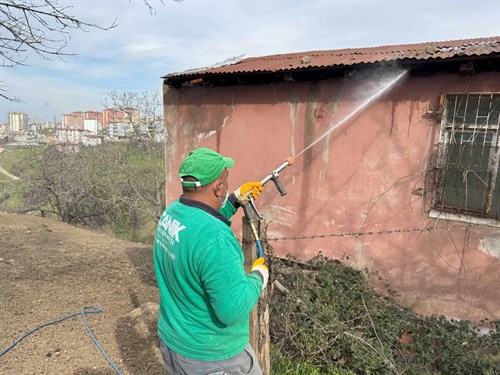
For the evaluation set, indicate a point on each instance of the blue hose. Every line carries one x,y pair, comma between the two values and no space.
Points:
97,344
260,253
85,310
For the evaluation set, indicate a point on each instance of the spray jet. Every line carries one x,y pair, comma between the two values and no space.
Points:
252,214
249,208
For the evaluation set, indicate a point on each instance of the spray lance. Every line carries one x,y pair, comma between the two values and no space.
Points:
251,213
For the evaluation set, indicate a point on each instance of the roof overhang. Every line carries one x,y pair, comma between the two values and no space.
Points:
410,54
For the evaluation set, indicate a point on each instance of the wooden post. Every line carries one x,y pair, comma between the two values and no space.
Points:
259,317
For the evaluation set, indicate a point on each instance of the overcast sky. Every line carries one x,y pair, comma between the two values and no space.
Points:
190,34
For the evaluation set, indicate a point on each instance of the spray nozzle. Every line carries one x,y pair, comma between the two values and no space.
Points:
275,175
249,208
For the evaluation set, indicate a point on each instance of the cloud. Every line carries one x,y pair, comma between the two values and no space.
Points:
46,97
143,47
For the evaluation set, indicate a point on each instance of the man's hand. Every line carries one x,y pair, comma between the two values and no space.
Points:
260,269
248,189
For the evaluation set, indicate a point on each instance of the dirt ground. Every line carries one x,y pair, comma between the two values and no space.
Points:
49,270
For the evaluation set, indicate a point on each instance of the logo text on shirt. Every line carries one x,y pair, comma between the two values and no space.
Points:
171,228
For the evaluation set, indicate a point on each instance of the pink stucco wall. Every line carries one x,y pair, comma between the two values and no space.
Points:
374,174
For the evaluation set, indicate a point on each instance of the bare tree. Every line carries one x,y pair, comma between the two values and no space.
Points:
39,26
145,181
144,111
118,186
73,186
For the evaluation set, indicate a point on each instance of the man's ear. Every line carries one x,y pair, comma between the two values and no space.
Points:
216,187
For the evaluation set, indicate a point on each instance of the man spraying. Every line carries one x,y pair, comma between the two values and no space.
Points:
205,295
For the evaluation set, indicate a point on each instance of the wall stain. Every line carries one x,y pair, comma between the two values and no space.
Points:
393,114
308,138
331,109
309,120
293,121
490,246
410,116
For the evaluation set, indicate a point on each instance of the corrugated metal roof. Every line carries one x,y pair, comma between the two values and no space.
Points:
350,56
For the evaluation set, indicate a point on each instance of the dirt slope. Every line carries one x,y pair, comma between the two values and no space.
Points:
50,270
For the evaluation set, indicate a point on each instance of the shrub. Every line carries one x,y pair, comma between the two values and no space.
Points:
332,318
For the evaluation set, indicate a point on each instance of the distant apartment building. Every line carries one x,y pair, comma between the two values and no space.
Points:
75,120
94,121
92,115
91,126
127,115
68,135
131,116
37,125
45,125
117,130
18,121
111,116
152,128
72,120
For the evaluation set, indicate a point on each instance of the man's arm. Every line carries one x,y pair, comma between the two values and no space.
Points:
232,293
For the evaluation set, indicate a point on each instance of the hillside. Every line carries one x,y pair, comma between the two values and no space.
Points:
50,270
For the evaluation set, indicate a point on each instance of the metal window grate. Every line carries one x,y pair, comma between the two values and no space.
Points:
469,180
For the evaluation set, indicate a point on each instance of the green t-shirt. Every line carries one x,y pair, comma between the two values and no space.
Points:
205,295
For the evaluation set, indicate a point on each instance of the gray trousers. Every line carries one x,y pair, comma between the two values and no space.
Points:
244,363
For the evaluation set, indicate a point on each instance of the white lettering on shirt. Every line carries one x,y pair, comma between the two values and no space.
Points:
171,228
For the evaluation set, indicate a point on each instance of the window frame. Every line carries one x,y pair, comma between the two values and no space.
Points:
448,130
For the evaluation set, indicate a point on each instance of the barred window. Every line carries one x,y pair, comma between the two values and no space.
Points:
468,179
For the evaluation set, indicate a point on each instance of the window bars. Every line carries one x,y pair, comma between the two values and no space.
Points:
468,178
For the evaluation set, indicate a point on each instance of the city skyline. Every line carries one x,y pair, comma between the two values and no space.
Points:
191,34
56,118
88,128
102,116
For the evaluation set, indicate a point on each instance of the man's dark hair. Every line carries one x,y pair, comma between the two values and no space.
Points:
190,189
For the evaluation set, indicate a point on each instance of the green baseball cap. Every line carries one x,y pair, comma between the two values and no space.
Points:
203,164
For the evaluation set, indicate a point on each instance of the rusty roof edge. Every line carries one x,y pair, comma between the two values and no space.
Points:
230,61
179,79
404,52
412,60
449,43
